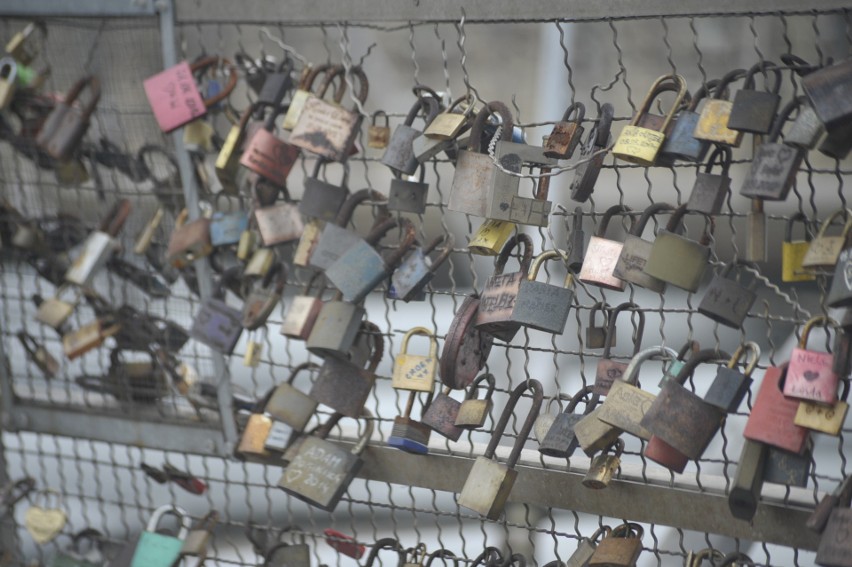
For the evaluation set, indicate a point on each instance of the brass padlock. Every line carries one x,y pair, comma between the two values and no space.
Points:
793,252
253,439
824,250
198,539
490,238
449,124
304,92
413,371
641,145
678,260
604,466
712,125
8,80
54,311
473,412
822,418
621,548
378,135
565,136
22,45
228,160
88,337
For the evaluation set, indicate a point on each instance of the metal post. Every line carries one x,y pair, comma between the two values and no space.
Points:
8,526
190,192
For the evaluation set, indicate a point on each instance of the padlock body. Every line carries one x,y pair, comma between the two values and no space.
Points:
475,178
441,416
96,251
772,417
358,271
823,253
682,419
625,407
411,276
616,552
332,243
773,172
291,406
599,262
806,130
226,228
189,243
784,467
407,196
638,145
753,111
680,143
630,266
497,306
174,97
664,454
543,307
728,389
319,473
828,89
678,261
301,317
840,293
818,417
342,386
727,301
593,434
294,110
811,376
322,200
253,441
414,372
410,436
378,137
601,471
335,330
399,155
834,545
156,550
307,242
473,413
708,193
563,140
607,371
218,325
712,124
326,129
279,223
560,441
487,488
490,237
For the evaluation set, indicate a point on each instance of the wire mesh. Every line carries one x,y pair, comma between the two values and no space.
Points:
539,69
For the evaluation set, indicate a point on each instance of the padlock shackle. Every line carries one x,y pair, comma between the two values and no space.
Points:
736,558
93,536
677,218
409,236
14,492
363,84
599,134
783,116
524,433
749,349
490,557
515,559
323,429
421,331
600,533
305,366
215,60
316,277
541,259
386,543
478,128
828,222
607,216
677,81
511,244
308,78
721,155
9,63
706,355
610,329
706,553
763,67
788,231
628,529
599,307
347,210
631,373
822,321
639,226
331,72
577,398
229,275
617,446
703,92
577,107
441,554
726,80
170,510
800,66
492,384
378,113
114,220
450,240
378,344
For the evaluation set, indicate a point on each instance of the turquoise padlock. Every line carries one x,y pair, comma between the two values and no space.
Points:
226,228
160,550
691,347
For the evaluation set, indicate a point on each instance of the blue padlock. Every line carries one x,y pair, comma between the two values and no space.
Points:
159,550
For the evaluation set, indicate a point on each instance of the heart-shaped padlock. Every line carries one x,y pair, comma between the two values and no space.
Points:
45,523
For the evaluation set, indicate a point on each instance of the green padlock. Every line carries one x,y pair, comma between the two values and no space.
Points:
160,550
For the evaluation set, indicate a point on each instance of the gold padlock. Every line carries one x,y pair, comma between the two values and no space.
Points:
198,136
413,371
307,242
712,124
260,263
823,418
490,237
89,337
603,466
640,145
247,244
251,357
54,312
824,250
378,135
793,252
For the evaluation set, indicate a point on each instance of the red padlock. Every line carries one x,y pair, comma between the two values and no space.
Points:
772,415
344,544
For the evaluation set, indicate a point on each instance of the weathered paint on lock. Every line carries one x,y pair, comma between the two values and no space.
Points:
772,417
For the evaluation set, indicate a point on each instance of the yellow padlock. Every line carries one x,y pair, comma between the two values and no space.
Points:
251,357
490,237
640,145
228,160
712,125
413,371
793,252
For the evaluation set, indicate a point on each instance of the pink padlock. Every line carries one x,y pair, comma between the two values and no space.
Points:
810,373
174,97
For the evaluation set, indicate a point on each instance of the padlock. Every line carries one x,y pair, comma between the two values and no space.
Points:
592,154
489,483
335,329
217,324
602,254
772,417
65,126
626,404
361,268
490,237
790,469
775,164
333,239
262,300
680,143
321,471
198,539
100,246
753,110
304,92
189,241
559,440
656,122
252,443
344,386
228,158
322,200
399,154
279,223
8,80
22,45
730,386
39,355
834,545
408,434
840,293
837,143
543,306
290,405
826,88
409,280
825,419
198,136
473,411
609,369
76,555
441,414
678,260
449,124
793,252
630,266
276,85
445,555
226,228
269,156
378,135
386,543
43,520
621,547
304,310
596,334
819,517
726,300
710,189
155,549
681,418
174,96
260,262
477,178
146,235
824,250
604,466
810,373
640,145
408,195
327,129
54,311
497,306
694,559
466,348
807,129
505,204
566,134
413,371
712,125
88,337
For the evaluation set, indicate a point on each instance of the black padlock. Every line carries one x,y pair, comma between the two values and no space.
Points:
754,111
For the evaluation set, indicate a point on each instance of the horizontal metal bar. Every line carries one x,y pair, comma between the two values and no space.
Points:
150,432
307,11
77,8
